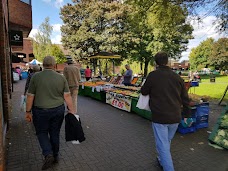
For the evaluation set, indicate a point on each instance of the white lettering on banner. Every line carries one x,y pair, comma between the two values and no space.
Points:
119,101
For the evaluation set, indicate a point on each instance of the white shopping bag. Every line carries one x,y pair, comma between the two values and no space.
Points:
143,102
23,103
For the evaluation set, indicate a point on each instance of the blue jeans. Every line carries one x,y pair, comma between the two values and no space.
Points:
48,123
163,134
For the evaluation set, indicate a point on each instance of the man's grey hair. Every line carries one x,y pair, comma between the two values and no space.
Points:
35,68
48,62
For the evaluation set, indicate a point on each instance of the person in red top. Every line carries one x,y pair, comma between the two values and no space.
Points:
88,73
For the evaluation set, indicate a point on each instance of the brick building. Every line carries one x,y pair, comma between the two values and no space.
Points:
15,18
183,65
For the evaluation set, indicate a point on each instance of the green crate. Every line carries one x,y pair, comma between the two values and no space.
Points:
101,96
143,113
81,91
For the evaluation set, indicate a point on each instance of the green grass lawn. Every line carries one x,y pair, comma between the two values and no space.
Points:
213,90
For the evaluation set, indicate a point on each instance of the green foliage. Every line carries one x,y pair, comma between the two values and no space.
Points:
214,90
58,54
199,56
219,54
157,25
42,40
100,25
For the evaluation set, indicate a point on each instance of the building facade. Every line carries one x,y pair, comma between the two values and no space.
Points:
15,18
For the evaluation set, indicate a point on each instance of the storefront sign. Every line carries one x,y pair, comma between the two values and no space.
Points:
119,101
16,38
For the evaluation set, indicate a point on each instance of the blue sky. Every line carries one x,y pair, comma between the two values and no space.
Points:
51,8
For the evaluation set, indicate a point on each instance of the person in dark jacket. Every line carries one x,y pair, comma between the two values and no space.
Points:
167,98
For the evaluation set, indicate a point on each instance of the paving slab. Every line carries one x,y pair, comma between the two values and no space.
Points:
115,141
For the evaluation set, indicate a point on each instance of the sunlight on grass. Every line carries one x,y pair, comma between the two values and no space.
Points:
214,90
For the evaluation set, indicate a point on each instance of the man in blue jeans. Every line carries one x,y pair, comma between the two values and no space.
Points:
167,98
45,98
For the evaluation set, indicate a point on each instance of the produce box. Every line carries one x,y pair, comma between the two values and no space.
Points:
219,135
194,84
186,130
143,113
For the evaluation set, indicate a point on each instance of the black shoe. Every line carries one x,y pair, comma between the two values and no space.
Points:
56,160
159,164
49,159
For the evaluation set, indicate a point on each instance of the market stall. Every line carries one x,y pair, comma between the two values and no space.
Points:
126,98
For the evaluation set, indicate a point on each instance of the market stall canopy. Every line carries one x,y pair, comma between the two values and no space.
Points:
34,62
105,55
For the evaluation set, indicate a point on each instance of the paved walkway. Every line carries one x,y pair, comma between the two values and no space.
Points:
115,140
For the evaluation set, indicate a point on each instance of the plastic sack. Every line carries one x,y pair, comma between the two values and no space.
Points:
23,103
143,102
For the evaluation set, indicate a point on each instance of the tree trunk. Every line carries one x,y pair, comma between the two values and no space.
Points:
141,67
146,68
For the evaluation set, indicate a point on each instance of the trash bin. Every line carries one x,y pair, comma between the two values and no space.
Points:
212,79
24,75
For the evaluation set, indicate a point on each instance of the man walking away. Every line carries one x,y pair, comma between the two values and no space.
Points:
46,94
167,96
73,76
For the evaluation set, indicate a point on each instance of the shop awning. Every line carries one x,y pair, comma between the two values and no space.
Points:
104,55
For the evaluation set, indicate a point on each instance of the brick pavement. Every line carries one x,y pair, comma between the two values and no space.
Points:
115,140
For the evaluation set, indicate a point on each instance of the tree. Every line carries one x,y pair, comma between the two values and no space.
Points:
198,9
42,40
158,26
58,54
219,54
199,56
97,24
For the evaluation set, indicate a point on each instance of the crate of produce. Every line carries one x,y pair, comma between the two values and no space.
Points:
194,84
185,130
219,136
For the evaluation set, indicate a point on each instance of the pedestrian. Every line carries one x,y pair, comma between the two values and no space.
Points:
45,107
33,70
127,76
88,73
40,67
167,95
73,76
30,70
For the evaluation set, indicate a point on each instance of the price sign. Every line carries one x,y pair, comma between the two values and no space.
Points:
119,102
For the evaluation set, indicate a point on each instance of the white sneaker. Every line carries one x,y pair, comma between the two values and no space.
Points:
75,142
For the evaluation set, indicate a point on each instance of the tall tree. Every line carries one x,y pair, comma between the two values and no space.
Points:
58,54
198,9
199,56
219,54
97,24
42,40
158,25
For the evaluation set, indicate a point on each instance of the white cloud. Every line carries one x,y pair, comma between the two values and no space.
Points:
202,31
33,32
56,39
58,3
56,27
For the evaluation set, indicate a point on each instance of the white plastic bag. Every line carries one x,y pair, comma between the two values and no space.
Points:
143,102
23,103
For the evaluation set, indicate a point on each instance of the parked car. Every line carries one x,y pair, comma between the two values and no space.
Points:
16,77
